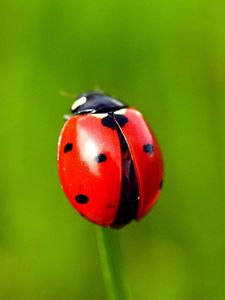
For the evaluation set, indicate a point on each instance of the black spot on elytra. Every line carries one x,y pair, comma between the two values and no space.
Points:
109,122
101,158
148,148
68,147
81,199
121,119
161,184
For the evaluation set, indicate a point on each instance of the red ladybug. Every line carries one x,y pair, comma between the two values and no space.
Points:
109,161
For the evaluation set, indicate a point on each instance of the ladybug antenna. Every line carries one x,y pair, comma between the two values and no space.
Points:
67,95
98,89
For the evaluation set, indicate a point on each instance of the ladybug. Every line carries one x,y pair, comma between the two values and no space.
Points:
109,161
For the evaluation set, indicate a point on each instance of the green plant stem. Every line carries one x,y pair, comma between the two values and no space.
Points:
109,250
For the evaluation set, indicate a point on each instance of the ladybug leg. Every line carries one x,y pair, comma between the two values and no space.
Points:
67,117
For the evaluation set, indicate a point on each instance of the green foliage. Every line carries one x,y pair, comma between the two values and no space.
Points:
167,58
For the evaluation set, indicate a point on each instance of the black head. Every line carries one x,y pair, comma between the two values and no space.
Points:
95,102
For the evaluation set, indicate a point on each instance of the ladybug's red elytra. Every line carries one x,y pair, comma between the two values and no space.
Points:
109,161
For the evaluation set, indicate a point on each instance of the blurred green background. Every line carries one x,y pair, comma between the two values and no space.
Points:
167,58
